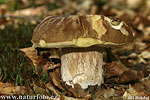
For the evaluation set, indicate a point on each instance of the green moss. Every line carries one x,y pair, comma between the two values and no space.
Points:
13,63
14,66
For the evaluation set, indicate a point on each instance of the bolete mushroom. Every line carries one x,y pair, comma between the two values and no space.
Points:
81,39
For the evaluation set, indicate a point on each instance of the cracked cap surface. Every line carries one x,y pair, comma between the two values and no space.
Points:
80,31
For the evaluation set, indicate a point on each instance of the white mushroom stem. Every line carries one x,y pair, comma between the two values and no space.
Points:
83,68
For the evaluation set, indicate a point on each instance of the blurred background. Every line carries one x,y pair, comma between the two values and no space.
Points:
43,8
18,19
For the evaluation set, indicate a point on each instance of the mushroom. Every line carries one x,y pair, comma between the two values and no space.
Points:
81,40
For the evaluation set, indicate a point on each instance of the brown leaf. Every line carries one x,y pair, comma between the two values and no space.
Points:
53,89
138,90
38,11
55,80
10,89
145,55
123,73
131,75
58,73
79,92
40,60
115,68
31,52
39,89
49,66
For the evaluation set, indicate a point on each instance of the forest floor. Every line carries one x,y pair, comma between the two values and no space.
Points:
18,18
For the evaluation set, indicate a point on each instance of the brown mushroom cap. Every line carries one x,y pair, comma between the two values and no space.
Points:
80,31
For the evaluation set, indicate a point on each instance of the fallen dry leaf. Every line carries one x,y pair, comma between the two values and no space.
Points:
115,68
140,89
118,73
131,75
40,60
10,89
49,66
31,52
55,80
53,89
145,55
38,11
135,92
39,89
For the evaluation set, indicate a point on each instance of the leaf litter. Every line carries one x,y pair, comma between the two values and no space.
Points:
125,76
